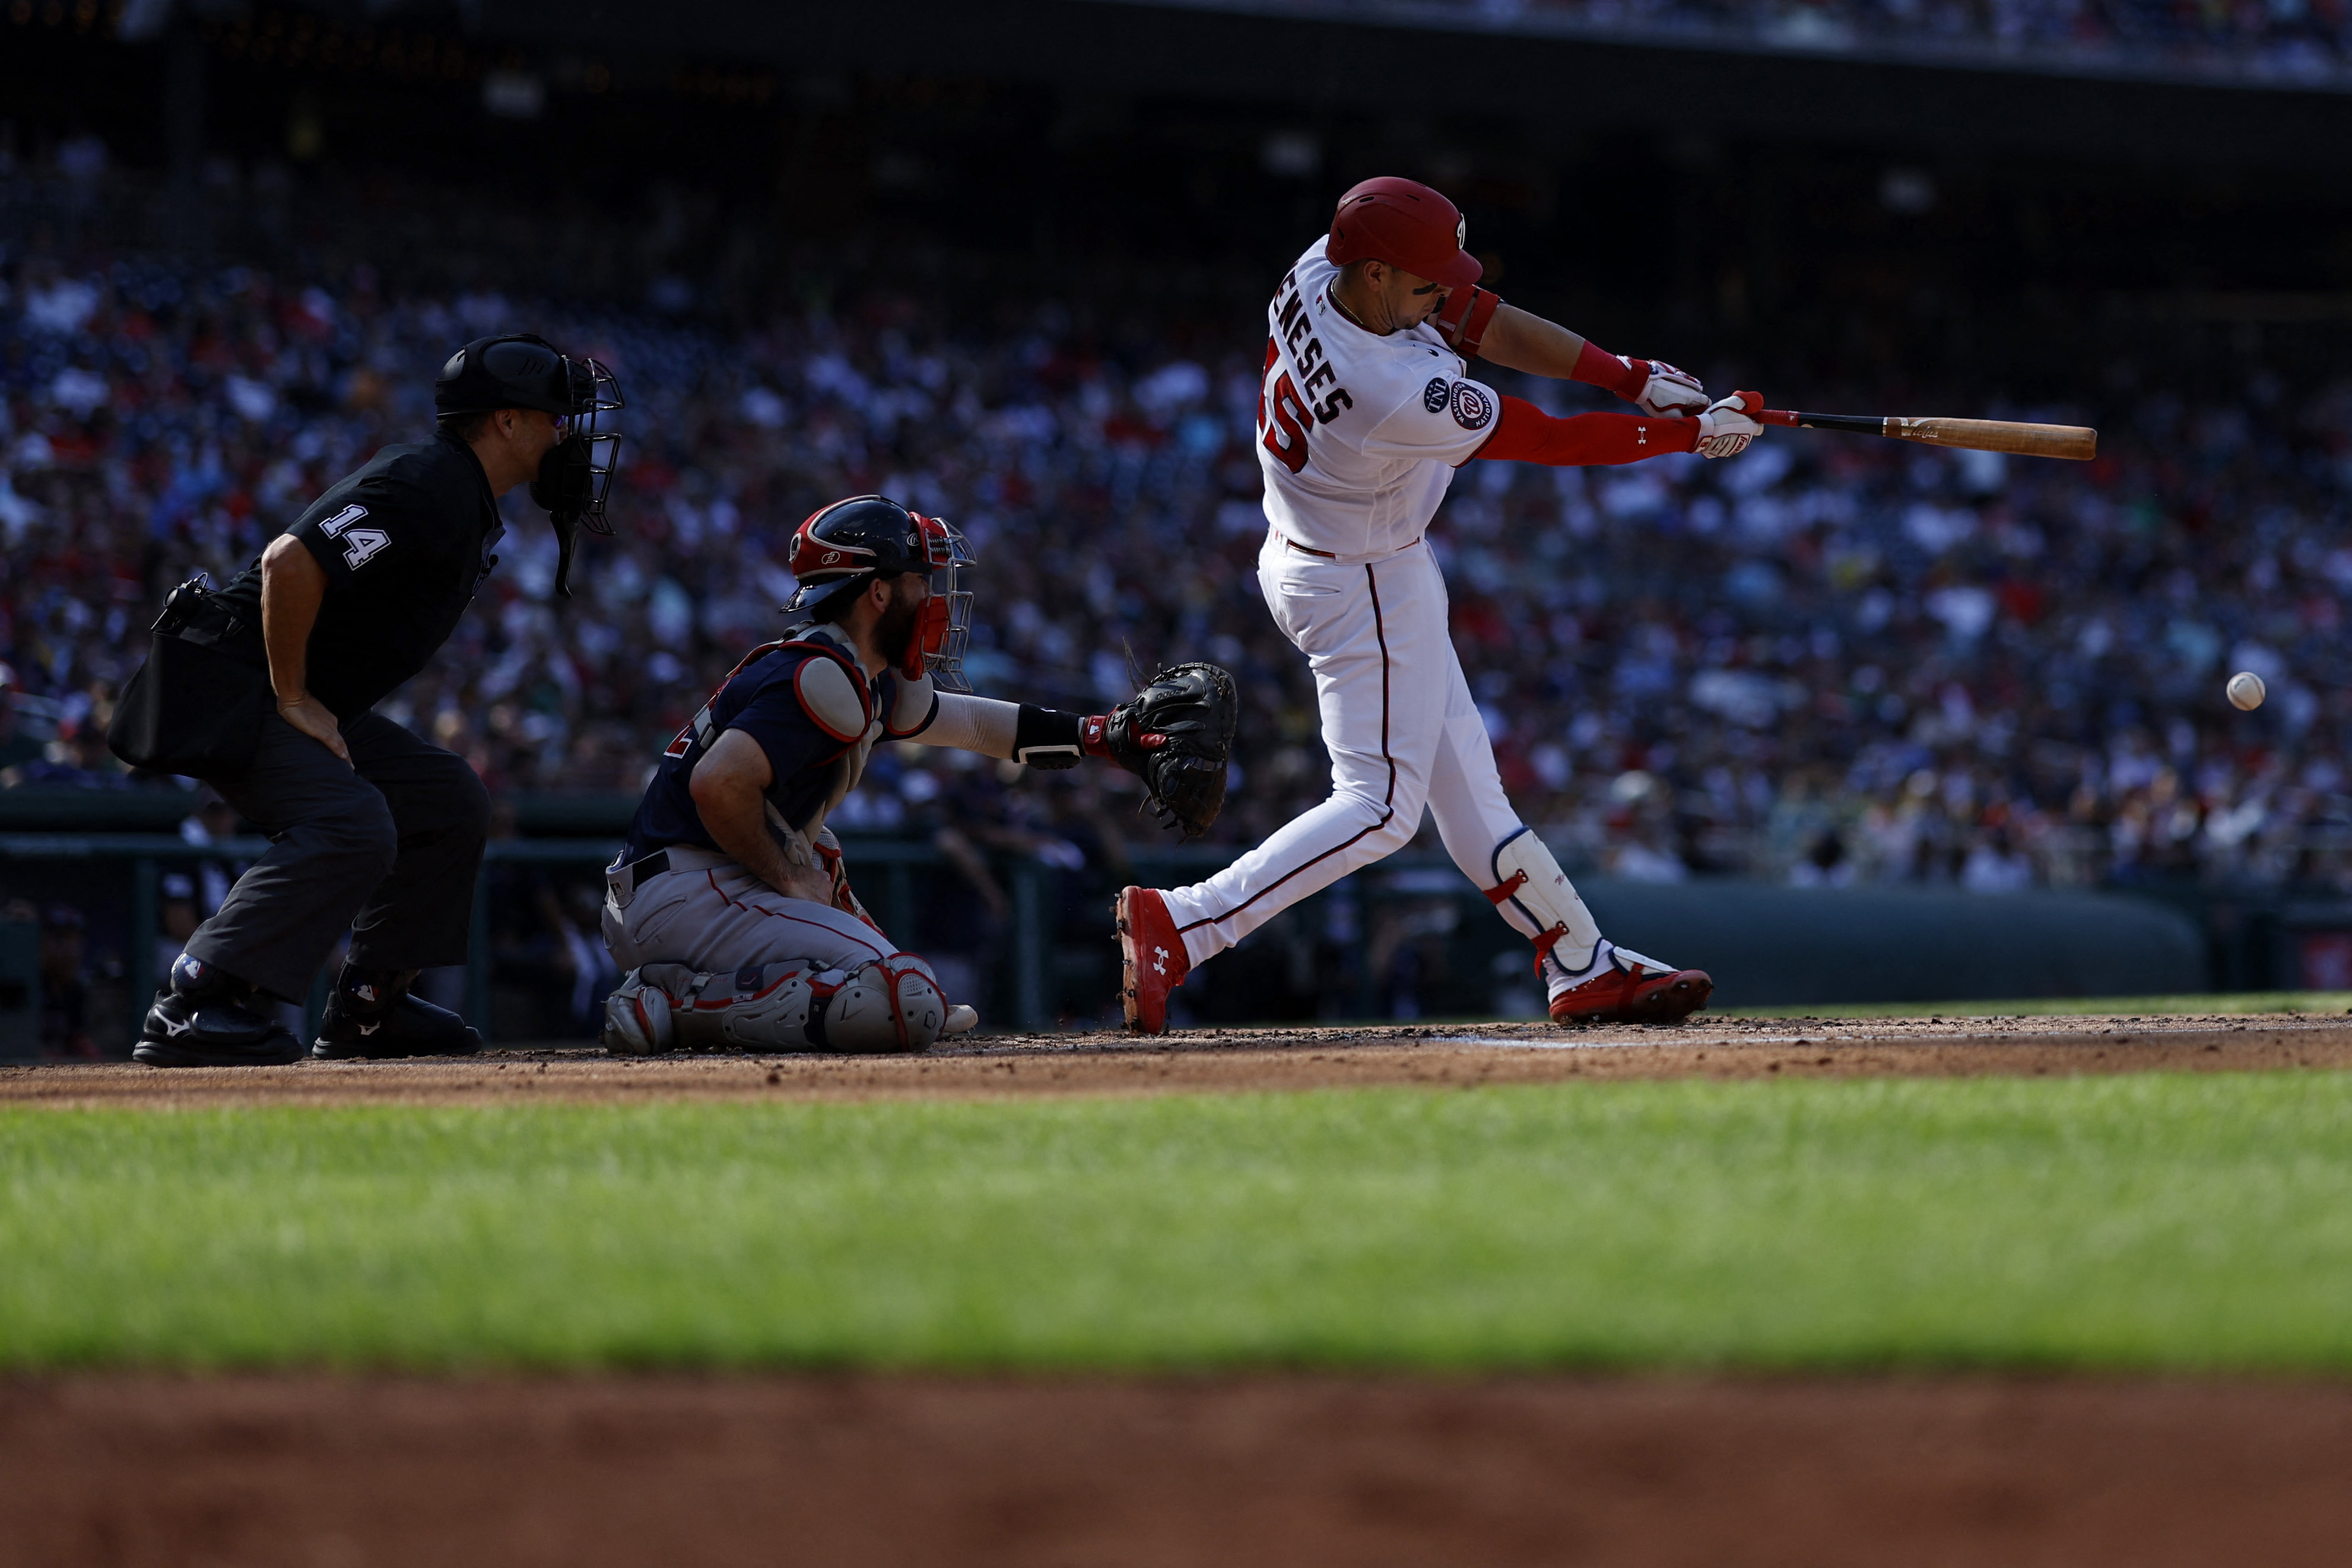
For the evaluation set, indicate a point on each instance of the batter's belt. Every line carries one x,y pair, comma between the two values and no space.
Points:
1339,559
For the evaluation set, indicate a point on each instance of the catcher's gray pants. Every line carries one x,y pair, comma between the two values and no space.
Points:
709,913
388,845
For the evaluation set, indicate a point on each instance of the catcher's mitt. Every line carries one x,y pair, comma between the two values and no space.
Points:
1176,735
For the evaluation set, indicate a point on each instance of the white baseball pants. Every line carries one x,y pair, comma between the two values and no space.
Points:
1403,733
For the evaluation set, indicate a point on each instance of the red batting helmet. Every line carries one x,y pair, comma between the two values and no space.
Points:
1404,223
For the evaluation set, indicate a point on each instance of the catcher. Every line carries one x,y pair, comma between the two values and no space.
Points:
730,909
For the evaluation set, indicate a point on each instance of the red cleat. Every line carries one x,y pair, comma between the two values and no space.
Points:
1152,959
1625,988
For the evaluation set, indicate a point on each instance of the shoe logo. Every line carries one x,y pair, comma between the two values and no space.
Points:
176,1028
368,1028
1158,960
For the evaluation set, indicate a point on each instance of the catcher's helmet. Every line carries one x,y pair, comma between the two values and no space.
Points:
849,543
1405,224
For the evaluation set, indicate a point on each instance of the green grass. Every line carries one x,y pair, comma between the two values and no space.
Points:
2231,1001
2194,1221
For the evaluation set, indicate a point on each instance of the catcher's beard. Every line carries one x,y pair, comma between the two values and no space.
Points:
893,633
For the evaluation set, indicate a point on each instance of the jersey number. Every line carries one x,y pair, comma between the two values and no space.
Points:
359,544
698,728
1282,420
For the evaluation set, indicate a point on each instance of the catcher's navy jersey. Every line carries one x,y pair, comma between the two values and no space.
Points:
815,716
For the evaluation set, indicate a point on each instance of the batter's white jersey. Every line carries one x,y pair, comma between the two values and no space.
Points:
1359,433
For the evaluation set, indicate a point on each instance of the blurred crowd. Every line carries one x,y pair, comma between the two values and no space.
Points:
2273,40
1834,660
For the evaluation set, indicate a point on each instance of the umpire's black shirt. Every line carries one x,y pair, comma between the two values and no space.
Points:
404,542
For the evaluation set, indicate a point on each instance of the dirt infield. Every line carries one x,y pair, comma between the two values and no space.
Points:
261,1471
1236,1060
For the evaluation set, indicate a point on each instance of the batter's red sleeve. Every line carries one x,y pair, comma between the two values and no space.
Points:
1597,367
1526,434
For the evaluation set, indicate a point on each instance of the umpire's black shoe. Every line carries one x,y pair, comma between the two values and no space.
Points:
203,1018
372,1013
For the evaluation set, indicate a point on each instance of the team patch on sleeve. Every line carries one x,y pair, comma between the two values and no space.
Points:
1474,407
830,696
1433,396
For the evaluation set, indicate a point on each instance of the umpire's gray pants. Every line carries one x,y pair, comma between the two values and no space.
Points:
387,845
709,913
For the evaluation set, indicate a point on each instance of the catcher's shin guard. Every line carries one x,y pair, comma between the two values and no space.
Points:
639,1018
668,1006
890,1004
1529,884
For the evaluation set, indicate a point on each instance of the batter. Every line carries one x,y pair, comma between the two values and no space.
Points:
1364,412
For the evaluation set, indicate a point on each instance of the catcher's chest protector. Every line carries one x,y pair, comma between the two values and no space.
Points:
845,709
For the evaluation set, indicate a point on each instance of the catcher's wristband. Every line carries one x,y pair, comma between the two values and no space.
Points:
1049,738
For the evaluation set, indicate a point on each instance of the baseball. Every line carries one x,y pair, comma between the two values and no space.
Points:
2246,690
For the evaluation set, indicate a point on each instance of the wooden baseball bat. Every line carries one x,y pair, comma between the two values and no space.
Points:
2076,441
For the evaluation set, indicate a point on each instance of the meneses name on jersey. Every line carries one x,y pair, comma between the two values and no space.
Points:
1286,409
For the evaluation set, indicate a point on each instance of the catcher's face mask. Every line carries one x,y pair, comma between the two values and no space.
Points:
943,625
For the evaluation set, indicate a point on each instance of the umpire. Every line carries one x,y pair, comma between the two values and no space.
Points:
266,690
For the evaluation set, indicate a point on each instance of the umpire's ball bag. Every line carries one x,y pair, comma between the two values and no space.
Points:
195,706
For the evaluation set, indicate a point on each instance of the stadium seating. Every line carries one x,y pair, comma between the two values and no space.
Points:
1833,660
